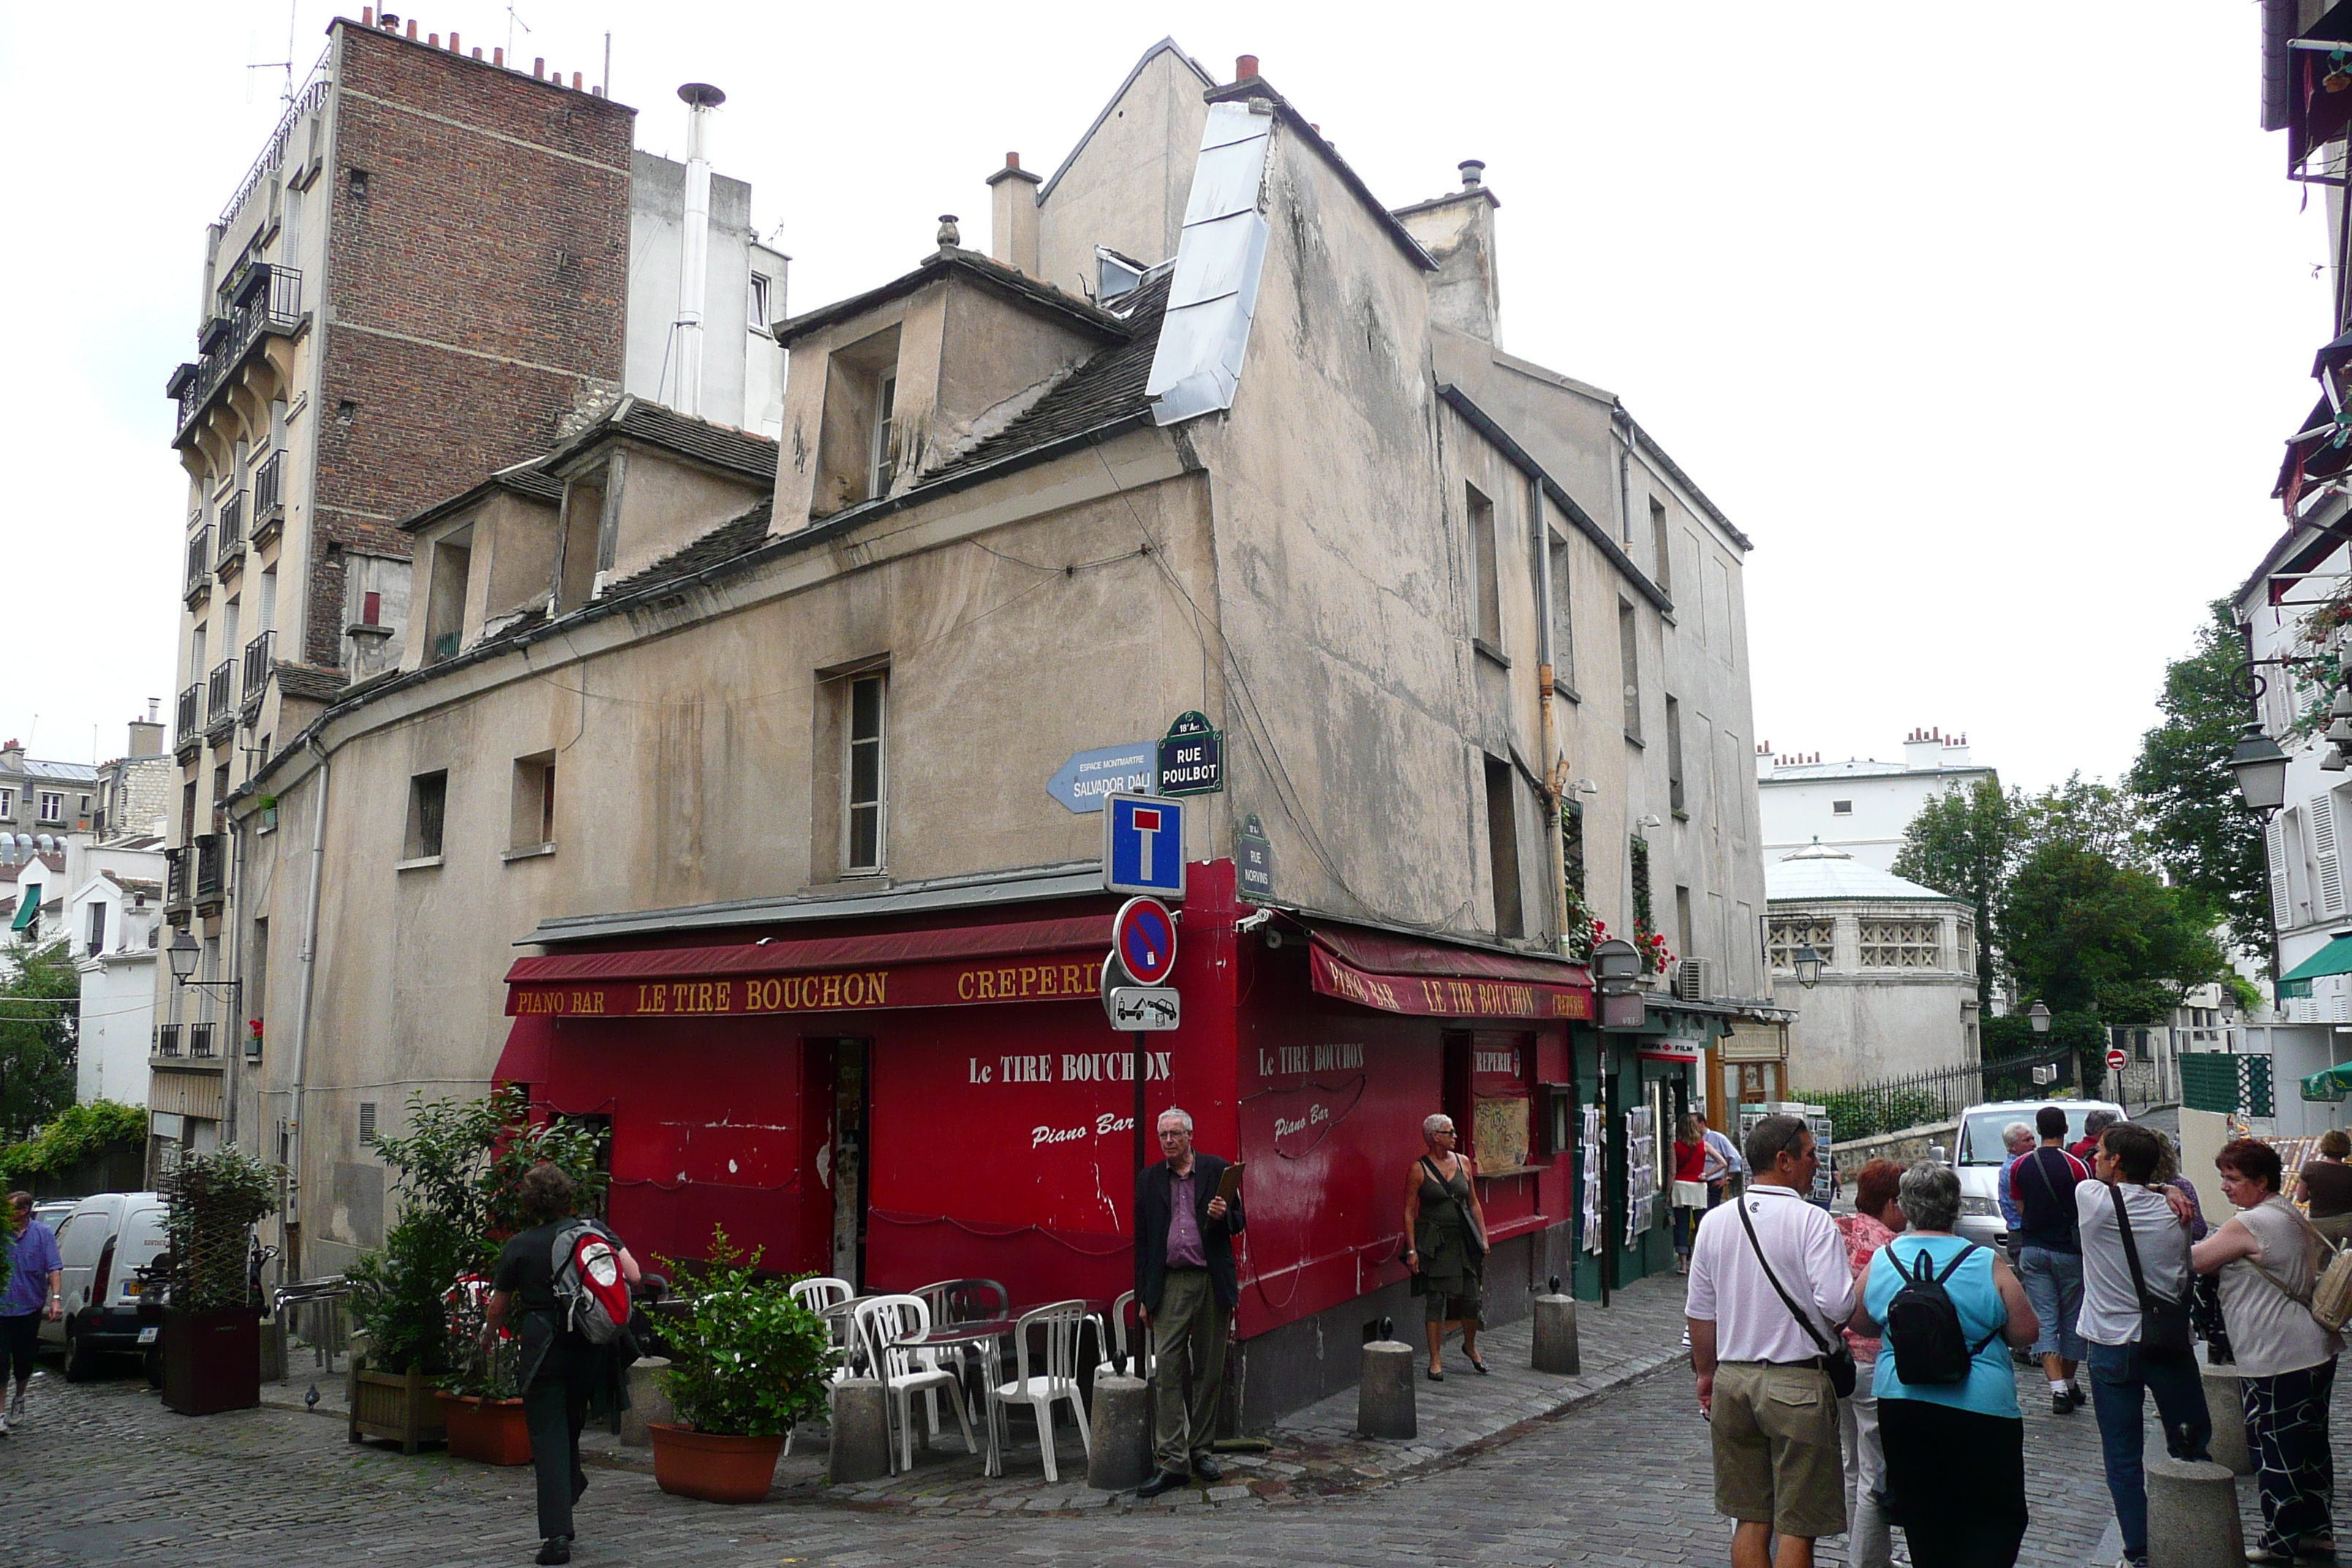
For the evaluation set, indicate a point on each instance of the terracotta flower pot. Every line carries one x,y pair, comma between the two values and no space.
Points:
490,1431
715,1468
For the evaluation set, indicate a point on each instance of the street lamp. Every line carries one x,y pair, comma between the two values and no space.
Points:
184,954
2261,768
2039,1017
1809,966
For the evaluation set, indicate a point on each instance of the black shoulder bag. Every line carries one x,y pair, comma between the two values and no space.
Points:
2163,1325
1839,1362
1471,1237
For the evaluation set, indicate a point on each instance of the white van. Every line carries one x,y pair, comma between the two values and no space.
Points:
1979,1157
103,1244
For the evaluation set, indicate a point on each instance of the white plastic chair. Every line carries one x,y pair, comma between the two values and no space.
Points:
821,1295
1051,1378
905,1370
1132,1357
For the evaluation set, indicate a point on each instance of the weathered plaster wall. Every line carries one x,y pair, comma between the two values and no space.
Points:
1126,185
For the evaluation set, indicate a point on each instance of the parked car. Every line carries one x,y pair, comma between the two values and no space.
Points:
1979,1157
52,1212
104,1243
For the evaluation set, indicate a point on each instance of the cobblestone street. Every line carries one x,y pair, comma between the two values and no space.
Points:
101,1472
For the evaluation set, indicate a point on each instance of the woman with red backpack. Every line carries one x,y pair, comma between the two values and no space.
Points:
554,1275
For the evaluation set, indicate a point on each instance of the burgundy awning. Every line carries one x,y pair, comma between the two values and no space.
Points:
1022,961
1434,979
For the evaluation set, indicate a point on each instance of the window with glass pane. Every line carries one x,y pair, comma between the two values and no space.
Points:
886,400
865,773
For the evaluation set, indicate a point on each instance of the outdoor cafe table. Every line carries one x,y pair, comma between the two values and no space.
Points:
988,1334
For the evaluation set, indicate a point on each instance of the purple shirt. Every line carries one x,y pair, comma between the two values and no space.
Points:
31,1258
1184,1249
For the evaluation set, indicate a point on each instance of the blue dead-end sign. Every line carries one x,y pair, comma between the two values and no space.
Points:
1143,844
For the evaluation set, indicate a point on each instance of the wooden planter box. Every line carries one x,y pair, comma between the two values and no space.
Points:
211,1361
400,1406
490,1431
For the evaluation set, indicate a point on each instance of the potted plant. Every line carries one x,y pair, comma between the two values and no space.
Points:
747,1361
212,1327
481,1402
456,1171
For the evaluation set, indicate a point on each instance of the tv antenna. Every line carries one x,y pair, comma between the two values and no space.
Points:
286,66
513,21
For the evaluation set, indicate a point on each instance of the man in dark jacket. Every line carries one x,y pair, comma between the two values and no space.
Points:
1186,1292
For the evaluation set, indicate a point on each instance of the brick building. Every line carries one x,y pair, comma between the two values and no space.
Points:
426,275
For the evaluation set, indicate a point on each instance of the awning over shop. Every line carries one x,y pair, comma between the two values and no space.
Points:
2336,958
27,909
1431,979
2319,92
2330,1084
1022,961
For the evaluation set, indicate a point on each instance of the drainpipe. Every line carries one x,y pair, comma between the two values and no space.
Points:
292,1262
1547,677
694,244
1623,423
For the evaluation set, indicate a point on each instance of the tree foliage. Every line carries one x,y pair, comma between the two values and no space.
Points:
78,1132
2201,834
1960,844
747,1360
2089,936
40,1027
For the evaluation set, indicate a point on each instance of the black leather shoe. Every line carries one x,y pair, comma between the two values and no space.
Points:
1206,1470
1162,1482
555,1549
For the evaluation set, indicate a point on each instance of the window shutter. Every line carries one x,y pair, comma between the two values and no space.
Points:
2323,844
2280,908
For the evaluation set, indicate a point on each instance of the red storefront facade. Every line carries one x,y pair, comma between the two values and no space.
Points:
944,1097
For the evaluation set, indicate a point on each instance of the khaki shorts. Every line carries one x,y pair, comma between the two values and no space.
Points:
1775,1436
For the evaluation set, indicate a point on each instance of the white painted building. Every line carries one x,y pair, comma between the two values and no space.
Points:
1897,993
112,919
1859,806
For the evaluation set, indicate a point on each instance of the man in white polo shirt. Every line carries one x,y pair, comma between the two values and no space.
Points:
1761,1377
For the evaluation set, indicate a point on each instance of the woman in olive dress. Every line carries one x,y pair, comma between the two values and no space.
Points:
1448,1228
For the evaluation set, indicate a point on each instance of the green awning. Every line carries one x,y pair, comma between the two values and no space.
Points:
29,910
2336,958
2332,1084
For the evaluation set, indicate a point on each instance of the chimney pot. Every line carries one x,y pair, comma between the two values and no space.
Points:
1474,173
1012,160
596,92
949,234
387,21
478,52
575,81
1244,67
367,15
453,45
539,66
412,32
432,39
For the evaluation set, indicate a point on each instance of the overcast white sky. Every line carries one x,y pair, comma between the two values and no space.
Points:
1985,323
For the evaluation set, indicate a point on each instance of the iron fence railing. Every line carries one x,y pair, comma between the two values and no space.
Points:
191,710
209,860
258,657
200,1039
266,299
175,878
269,489
1921,1098
220,691
200,558
167,1039
231,528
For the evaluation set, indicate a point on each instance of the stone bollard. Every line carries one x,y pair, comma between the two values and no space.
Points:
861,1432
2192,1514
1120,1452
2228,1411
1556,1349
648,1400
1384,1396
273,1350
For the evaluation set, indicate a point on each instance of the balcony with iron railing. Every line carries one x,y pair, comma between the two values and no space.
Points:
268,497
200,564
176,882
167,1039
210,865
200,1041
220,693
258,656
228,545
265,301
192,712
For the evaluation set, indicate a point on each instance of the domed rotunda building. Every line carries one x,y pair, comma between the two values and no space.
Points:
1897,992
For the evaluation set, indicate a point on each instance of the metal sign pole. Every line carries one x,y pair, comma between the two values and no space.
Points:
1142,1146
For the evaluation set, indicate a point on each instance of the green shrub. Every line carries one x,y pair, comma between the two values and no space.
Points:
747,1360
212,1202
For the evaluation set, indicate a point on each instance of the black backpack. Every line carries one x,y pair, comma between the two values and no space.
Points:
1923,1327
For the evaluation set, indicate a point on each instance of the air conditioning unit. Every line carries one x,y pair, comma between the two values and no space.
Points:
1695,980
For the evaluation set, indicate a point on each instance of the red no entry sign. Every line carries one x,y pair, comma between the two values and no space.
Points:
1144,941
2116,1060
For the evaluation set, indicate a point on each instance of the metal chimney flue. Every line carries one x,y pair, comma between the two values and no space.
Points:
694,244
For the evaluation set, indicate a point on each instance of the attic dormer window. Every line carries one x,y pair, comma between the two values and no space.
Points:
886,398
1115,274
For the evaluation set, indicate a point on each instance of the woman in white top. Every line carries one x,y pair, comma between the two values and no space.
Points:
2267,1258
